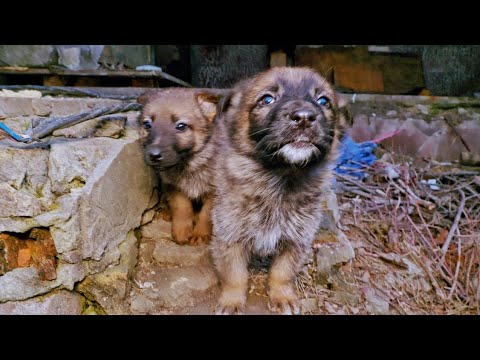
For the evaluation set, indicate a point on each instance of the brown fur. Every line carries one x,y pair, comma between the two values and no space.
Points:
186,164
272,166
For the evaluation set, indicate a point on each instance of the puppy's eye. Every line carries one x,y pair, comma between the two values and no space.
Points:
181,127
267,100
323,101
147,124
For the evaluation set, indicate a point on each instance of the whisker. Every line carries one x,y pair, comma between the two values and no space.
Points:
259,131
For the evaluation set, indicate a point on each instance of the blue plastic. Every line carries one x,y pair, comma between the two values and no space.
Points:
354,156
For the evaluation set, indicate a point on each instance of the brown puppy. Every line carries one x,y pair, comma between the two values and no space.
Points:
179,146
278,133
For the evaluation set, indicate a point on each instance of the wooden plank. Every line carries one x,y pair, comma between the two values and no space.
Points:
400,74
278,58
359,78
56,70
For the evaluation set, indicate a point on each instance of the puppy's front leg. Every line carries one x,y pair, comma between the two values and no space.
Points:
232,264
182,217
282,292
202,232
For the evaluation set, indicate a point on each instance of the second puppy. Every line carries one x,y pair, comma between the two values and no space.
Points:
179,146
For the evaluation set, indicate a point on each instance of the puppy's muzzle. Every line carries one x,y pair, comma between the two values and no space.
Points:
154,154
303,118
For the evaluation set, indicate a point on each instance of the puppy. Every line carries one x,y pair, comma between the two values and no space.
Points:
179,146
277,138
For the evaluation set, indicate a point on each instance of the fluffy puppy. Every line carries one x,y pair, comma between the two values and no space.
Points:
276,142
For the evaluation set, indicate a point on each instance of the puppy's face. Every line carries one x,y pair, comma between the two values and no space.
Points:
179,125
287,116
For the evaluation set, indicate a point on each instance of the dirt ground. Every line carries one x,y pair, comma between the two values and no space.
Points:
402,263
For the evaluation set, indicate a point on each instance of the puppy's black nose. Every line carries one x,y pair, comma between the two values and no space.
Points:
303,115
155,154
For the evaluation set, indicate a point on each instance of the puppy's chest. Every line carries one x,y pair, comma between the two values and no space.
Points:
194,183
275,217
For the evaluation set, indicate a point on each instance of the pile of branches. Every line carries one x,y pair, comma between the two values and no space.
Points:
429,213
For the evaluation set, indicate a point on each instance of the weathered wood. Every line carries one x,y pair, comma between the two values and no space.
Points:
56,70
98,92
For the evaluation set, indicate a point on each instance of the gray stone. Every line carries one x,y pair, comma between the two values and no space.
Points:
376,302
115,198
60,302
178,287
142,304
157,229
331,214
17,202
424,109
72,162
332,250
168,253
148,216
69,57
109,288
127,55
27,55
24,283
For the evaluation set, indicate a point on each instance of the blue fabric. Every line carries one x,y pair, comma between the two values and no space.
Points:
360,153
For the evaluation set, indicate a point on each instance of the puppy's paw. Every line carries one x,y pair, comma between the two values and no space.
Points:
231,303
198,239
182,234
284,300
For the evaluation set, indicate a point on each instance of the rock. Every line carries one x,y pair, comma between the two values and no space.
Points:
157,229
69,57
148,216
60,302
127,55
425,110
115,198
332,250
331,214
29,56
168,253
142,304
109,288
392,113
24,283
17,202
348,297
71,163
177,287
88,193
376,302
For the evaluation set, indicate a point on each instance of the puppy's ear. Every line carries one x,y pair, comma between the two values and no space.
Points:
225,102
208,103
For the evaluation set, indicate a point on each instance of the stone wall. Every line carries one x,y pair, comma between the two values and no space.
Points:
69,206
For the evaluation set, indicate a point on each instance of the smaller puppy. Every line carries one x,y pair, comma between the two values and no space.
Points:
179,146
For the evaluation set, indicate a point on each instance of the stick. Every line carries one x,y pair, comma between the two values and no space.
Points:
457,268
454,226
47,127
449,123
